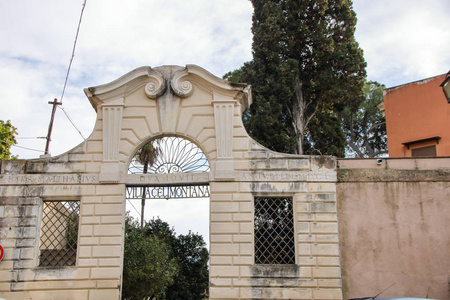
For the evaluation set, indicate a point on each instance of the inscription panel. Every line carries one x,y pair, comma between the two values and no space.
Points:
134,179
277,176
156,179
168,192
48,179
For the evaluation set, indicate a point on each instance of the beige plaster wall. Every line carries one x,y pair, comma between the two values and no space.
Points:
394,227
186,102
317,274
393,216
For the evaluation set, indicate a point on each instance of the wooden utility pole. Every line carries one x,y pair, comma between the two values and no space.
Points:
55,103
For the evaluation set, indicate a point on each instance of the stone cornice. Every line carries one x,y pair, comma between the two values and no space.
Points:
180,80
127,83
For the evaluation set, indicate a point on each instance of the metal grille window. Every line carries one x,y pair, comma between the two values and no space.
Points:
274,231
59,233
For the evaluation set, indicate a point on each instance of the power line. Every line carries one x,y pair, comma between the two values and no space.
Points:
71,121
73,51
134,208
55,102
6,143
28,148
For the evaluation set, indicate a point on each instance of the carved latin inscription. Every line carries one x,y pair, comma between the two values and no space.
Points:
175,178
48,179
277,176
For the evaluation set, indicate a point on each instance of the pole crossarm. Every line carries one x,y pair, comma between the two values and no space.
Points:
55,103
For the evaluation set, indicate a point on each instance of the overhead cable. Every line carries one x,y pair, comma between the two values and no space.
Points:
71,121
73,52
129,201
55,102
28,148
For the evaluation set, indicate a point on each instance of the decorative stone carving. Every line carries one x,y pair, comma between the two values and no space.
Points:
182,89
157,86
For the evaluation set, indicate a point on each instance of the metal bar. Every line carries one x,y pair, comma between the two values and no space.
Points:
168,192
168,184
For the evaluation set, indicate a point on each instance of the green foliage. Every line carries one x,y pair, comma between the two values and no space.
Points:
148,267
306,65
365,125
147,155
7,139
72,231
191,283
326,124
163,266
234,76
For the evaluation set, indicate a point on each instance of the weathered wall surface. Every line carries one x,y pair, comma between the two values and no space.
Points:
311,183
193,104
394,227
24,185
393,216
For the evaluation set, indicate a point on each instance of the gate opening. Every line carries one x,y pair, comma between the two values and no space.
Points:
173,185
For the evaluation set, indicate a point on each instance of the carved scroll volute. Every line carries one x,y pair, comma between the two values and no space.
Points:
157,85
182,89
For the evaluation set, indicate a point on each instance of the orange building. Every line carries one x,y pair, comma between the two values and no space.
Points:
417,119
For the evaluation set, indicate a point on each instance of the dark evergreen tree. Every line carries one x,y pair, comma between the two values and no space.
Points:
365,125
191,282
325,124
306,65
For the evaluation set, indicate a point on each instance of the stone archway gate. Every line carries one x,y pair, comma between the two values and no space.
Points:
273,220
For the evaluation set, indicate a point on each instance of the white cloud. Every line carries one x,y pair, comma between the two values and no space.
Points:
182,214
115,37
402,41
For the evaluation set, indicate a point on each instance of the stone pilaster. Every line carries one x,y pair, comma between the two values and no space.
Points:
223,117
112,124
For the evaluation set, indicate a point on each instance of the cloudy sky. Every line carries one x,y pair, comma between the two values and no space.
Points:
403,41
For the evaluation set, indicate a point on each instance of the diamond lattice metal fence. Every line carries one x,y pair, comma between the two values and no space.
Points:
274,231
59,233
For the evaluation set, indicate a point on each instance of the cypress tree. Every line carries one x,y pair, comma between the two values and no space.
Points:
306,68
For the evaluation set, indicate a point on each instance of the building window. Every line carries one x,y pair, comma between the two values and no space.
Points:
424,151
59,233
274,231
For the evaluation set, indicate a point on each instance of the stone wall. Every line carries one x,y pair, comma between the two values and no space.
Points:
311,183
24,185
190,103
393,215
394,219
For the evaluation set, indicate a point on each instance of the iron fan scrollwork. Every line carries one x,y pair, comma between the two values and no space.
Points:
174,155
